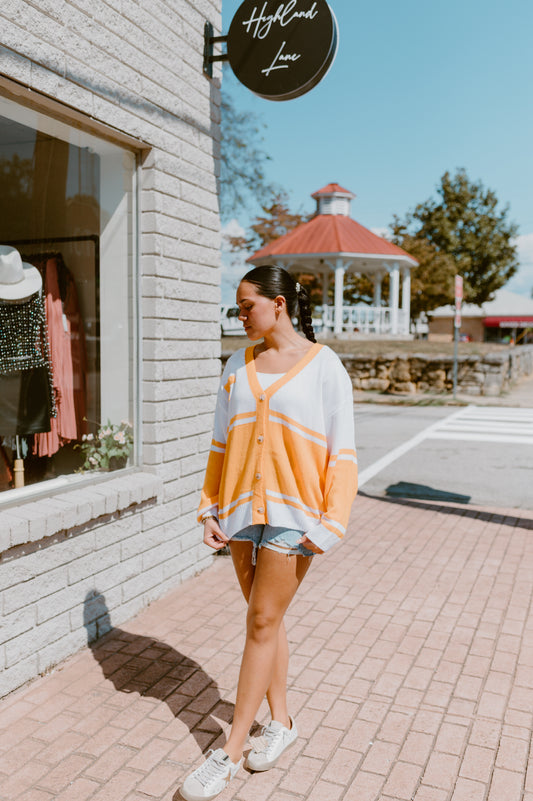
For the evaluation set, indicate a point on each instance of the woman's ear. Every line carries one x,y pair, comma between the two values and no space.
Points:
279,303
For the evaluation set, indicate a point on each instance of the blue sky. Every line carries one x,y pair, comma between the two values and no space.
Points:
417,88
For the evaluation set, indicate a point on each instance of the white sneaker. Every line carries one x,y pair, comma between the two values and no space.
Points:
211,778
267,749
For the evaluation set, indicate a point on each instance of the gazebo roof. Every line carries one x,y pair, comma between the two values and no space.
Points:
333,189
332,235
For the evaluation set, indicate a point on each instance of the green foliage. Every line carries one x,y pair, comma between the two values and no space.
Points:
109,448
242,159
465,224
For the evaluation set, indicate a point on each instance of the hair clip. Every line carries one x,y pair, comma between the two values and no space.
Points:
298,287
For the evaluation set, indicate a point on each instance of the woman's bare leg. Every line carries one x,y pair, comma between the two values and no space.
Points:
274,584
241,553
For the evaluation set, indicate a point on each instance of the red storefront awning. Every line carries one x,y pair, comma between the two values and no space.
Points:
509,322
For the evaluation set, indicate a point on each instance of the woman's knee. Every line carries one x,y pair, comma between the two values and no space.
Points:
262,624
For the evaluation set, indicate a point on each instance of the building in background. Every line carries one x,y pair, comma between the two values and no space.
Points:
509,317
109,142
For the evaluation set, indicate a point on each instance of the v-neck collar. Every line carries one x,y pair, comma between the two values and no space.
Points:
251,372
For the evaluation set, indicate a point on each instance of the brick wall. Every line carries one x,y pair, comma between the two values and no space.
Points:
137,68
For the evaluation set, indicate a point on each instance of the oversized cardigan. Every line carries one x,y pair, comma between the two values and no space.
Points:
285,455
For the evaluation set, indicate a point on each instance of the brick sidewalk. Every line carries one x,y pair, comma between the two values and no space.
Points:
411,676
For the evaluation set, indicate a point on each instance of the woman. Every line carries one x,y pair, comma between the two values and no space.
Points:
280,481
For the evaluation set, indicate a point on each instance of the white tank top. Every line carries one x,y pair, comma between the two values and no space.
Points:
267,379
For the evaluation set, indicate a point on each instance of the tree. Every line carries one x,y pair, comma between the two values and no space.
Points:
466,224
275,221
242,159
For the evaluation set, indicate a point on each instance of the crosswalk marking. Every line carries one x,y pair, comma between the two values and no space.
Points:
510,424
513,425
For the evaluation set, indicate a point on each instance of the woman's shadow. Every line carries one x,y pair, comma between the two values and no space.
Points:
135,663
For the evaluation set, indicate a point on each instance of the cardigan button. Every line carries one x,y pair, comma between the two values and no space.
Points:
262,397
260,440
260,510
257,476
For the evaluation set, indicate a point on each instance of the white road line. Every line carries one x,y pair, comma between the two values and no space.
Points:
385,461
482,425
470,424
467,437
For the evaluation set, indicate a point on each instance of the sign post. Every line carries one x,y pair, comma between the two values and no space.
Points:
456,327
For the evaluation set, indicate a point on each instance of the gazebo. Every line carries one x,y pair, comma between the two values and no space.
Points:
332,244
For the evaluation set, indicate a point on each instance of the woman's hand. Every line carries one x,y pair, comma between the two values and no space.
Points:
306,542
213,534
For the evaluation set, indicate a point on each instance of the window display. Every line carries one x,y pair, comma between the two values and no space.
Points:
67,323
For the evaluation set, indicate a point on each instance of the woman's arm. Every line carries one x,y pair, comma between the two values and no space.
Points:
217,451
341,475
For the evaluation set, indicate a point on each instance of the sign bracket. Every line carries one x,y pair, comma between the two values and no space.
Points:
209,42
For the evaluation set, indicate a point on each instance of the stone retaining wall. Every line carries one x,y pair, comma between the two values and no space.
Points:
490,374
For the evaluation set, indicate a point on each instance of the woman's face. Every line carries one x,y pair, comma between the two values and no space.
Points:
257,313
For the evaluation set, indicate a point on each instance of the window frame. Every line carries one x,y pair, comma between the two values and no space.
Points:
68,115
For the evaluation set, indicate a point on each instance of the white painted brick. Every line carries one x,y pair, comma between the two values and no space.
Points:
94,563
57,603
164,514
31,642
14,624
32,591
60,553
118,574
11,678
141,582
51,654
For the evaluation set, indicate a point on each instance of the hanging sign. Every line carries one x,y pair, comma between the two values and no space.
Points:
282,50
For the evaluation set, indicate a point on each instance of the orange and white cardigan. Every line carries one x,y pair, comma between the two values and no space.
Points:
284,455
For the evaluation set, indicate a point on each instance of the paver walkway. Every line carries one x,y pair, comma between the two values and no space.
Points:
411,676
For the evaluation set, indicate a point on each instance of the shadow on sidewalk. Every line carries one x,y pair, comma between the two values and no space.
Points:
138,664
516,521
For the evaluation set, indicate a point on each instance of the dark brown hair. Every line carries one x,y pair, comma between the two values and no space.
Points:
271,281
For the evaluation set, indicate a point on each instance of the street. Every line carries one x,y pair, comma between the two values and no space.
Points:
477,455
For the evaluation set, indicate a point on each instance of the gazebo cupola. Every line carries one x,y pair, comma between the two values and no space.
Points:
333,199
332,244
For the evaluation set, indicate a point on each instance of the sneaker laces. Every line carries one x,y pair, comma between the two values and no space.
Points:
266,739
213,768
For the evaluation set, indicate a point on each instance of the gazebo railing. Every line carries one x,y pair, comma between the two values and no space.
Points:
365,319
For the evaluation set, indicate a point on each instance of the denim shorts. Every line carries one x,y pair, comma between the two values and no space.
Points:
275,538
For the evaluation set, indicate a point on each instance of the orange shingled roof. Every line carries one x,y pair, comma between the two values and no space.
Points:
330,189
330,234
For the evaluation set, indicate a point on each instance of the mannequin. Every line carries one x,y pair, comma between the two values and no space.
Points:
26,396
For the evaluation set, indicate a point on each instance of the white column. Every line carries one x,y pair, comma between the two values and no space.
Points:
378,278
406,299
394,301
325,288
340,269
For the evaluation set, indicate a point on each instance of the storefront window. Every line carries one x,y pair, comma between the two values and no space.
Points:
67,300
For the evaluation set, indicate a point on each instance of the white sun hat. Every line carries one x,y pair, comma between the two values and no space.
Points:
18,280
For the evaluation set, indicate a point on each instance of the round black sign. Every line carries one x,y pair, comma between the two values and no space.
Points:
282,50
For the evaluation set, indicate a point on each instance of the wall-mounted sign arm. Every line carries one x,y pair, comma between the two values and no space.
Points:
209,42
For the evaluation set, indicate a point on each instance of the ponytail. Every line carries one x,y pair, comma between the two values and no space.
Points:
306,321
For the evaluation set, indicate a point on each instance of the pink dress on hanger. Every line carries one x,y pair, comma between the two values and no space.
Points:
65,335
